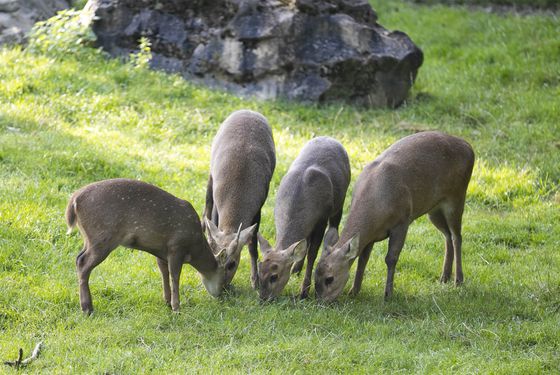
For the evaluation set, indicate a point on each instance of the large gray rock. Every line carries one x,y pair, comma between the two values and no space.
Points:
303,49
17,17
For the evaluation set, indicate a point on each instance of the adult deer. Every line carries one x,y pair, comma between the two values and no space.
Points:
241,167
423,173
310,195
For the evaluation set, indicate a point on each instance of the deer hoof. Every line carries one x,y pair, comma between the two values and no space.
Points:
444,279
255,282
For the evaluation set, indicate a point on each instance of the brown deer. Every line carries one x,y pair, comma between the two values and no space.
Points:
141,216
310,195
423,173
242,163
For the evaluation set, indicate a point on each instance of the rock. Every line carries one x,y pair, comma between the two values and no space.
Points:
11,35
9,6
17,17
306,50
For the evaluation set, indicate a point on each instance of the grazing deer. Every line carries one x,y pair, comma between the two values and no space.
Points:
241,167
310,195
423,173
141,216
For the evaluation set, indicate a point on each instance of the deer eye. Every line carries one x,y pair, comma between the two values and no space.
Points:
230,266
329,280
273,278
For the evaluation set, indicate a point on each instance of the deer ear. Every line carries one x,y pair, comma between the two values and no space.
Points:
263,244
242,237
221,257
330,239
297,251
212,229
246,235
352,248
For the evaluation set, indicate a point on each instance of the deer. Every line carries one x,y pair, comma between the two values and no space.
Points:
427,172
141,216
242,163
309,196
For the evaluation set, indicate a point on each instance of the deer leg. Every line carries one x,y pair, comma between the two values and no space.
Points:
164,269
296,268
454,219
334,221
362,261
397,236
440,223
215,216
453,216
209,206
81,252
253,251
314,244
175,264
457,243
86,261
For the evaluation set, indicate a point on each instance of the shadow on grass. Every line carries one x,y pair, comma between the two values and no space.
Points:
469,302
53,155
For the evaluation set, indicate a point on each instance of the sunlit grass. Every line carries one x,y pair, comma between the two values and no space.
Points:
505,186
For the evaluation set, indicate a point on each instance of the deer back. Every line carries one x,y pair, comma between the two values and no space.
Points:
242,163
410,178
313,189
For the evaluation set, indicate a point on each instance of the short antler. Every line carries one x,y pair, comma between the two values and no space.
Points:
238,232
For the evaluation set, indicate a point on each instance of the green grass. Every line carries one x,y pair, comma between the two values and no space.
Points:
492,79
530,4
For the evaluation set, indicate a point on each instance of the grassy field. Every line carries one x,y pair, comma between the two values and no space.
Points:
501,4
67,119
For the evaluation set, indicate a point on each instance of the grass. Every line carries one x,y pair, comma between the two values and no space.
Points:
528,4
67,121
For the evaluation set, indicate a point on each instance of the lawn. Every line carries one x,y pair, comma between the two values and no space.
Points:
72,117
517,5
